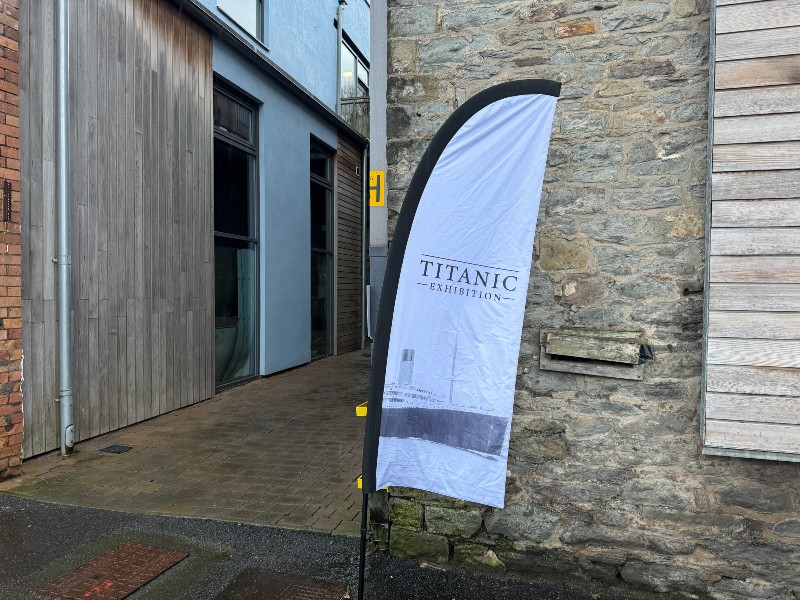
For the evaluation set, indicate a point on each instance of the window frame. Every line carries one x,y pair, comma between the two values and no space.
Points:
250,147
361,63
329,185
261,28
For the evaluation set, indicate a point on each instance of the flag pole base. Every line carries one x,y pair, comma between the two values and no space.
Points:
362,550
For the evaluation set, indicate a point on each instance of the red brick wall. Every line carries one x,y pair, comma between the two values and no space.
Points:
10,252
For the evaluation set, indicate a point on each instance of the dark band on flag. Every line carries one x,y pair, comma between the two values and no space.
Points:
454,428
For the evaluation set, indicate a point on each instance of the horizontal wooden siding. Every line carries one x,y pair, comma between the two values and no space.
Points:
753,353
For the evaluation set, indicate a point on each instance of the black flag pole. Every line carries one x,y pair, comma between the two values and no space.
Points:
394,263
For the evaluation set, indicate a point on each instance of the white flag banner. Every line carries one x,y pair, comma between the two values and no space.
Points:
453,347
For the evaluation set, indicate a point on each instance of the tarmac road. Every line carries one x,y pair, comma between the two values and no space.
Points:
42,541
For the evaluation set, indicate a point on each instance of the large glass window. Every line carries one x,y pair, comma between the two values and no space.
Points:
248,14
233,190
354,87
354,78
321,253
235,240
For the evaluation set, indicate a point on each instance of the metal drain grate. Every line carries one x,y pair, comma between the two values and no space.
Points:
117,449
115,574
252,584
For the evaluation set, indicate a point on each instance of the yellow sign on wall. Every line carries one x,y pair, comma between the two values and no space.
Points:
376,188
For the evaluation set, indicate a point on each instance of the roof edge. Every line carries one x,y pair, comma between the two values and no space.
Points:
248,49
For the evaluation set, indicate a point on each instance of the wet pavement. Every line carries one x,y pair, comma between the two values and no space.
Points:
284,451
43,541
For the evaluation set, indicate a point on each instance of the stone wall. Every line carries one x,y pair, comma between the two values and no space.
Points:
10,250
606,480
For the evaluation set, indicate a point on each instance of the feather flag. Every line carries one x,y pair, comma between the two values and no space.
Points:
449,326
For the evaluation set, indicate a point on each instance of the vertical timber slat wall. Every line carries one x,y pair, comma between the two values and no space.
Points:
142,256
753,354
349,246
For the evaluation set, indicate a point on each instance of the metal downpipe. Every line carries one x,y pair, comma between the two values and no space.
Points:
64,259
364,240
339,13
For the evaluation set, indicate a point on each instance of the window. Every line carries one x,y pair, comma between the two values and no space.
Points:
321,253
248,14
354,89
354,79
235,239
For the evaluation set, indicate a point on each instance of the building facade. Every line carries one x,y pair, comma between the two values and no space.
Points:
615,474
216,198
10,248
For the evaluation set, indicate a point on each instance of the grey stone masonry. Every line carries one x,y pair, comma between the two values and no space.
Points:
606,480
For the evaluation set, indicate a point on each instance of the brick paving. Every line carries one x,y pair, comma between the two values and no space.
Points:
282,451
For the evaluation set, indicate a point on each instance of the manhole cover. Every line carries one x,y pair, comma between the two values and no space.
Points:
117,449
115,574
252,584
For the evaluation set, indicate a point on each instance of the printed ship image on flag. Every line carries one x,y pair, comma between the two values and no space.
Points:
451,420
449,327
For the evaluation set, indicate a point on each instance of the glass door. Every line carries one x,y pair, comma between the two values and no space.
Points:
235,241
321,253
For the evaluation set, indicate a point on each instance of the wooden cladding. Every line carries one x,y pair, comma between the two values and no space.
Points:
752,395
780,70
755,16
349,247
758,128
757,44
757,101
141,184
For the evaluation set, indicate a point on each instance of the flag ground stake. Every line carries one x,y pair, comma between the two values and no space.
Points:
362,550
